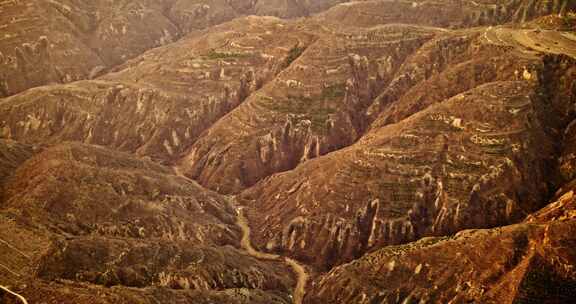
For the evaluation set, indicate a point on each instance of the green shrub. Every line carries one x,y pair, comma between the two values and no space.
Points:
213,54
293,54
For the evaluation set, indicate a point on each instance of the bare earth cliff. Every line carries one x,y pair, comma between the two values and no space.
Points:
287,151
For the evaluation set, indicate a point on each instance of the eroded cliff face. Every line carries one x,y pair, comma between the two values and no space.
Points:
171,99
463,163
62,41
521,263
420,64
425,166
435,163
396,151
299,115
94,216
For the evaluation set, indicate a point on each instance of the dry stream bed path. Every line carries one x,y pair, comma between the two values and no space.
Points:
246,245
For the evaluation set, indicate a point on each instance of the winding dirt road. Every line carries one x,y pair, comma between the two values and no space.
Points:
21,298
246,244
302,276
299,270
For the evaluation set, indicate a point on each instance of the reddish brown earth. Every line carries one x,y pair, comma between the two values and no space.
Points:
83,216
528,262
387,151
61,41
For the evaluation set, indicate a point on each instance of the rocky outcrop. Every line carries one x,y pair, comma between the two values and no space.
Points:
522,11
434,173
31,63
306,122
65,41
96,217
172,99
381,152
513,264
301,116
433,58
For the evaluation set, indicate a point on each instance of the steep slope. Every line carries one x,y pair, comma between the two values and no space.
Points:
524,263
61,41
384,151
12,155
94,217
326,113
461,62
299,115
158,104
461,163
